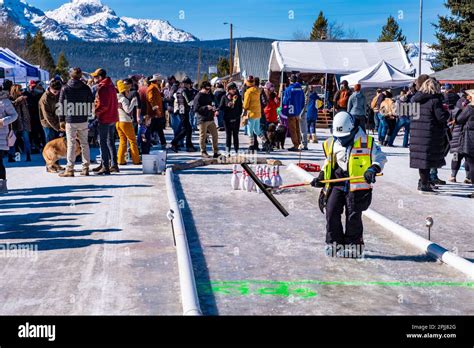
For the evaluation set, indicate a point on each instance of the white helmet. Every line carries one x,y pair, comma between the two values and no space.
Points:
343,124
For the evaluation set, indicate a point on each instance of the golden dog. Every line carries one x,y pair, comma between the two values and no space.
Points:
54,151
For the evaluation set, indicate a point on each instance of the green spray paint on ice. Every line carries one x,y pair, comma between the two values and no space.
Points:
301,289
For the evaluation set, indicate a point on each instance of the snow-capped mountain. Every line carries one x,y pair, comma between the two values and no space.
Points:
88,20
428,55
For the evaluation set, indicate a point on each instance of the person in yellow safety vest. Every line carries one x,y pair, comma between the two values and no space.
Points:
349,152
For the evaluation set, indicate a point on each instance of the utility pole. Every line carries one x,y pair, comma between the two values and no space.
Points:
421,38
231,60
199,67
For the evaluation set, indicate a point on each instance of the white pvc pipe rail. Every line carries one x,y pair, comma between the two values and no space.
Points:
189,294
434,250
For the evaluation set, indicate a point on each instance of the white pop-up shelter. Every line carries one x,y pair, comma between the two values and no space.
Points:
33,72
16,73
380,75
336,57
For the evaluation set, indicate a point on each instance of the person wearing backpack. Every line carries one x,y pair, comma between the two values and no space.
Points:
341,98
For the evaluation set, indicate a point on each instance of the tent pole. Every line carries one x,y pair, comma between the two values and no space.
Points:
282,78
325,91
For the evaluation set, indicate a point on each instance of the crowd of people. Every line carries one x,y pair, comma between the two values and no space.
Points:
137,110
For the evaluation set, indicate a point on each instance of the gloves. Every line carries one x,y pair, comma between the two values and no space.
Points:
371,173
317,181
62,126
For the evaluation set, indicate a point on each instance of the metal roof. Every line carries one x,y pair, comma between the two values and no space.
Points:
461,72
254,57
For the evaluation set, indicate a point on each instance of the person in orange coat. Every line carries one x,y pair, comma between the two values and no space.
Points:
154,102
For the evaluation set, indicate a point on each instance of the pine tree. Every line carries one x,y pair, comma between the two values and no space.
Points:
40,54
223,66
320,28
392,32
28,39
455,34
62,67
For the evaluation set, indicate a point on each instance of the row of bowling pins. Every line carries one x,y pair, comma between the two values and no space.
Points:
245,182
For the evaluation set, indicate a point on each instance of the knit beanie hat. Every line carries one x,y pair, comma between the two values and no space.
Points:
121,86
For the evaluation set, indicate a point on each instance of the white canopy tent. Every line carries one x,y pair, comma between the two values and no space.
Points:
381,75
16,73
33,72
339,57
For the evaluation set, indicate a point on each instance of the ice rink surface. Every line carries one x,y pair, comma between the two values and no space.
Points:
103,245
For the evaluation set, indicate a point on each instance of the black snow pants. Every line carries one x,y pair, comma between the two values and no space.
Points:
354,203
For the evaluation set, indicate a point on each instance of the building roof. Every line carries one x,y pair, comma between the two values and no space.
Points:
457,73
253,57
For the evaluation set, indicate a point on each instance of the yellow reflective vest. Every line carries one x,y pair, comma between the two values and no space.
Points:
360,159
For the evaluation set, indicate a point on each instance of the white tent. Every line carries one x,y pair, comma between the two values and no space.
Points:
380,75
340,57
33,72
16,73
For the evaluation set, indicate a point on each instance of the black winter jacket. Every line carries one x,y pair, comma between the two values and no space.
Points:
231,113
466,119
455,142
428,134
76,102
201,103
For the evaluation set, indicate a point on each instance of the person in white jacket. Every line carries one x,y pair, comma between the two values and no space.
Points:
125,125
350,153
8,115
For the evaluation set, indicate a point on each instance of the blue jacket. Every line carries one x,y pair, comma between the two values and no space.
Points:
312,110
293,100
357,105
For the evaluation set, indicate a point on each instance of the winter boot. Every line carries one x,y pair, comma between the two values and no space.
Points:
69,173
115,169
103,171
97,169
426,189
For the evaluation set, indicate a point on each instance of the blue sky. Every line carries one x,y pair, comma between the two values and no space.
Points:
270,18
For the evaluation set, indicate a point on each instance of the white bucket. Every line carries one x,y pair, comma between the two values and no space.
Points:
160,160
150,164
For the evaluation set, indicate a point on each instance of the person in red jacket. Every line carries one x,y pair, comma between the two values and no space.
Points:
271,108
106,111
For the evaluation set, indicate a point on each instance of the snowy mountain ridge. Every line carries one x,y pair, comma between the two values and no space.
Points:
428,56
88,20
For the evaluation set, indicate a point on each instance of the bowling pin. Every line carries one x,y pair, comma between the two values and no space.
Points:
255,186
245,181
234,181
274,178
268,181
259,175
250,184
242,180
279,178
